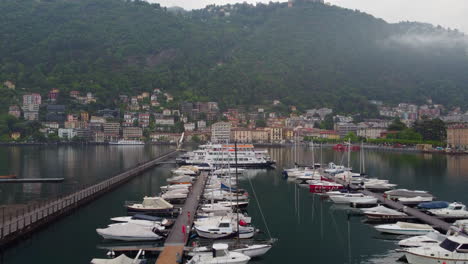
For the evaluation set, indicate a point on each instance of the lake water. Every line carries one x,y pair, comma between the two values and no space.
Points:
308,229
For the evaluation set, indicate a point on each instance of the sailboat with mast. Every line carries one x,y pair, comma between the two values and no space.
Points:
251,249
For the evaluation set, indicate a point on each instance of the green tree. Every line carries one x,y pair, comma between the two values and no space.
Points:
328,122
431,129
260,123
397,125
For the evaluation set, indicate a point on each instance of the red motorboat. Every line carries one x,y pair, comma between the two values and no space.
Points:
341,147
324,186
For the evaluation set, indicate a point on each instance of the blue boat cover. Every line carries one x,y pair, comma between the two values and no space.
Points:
147,217
433,205
225,187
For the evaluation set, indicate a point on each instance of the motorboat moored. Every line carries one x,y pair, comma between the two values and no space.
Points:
404,228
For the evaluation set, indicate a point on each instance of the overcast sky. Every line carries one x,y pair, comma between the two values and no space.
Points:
447,13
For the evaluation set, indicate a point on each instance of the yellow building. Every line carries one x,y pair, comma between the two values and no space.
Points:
276,134
457,136
260,136
241,135
288,134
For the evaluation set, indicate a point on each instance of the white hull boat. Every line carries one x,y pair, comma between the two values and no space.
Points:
128,232
429,239
353,198
404,228
405,193
181,179
252,251
380,212
453,250
415,200
457,210
122,259
211,208
220,255
176,187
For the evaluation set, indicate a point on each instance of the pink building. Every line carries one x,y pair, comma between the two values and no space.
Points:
32,99
144,119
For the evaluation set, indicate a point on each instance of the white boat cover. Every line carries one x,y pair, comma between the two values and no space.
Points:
128,230
382,210
407,225
122,259
156,202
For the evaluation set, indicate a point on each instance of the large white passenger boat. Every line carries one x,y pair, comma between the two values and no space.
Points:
127,142
218,155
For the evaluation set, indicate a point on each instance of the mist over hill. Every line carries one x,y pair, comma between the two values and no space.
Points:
307,55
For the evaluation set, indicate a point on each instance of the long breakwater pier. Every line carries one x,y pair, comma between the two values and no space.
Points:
14,227
180,233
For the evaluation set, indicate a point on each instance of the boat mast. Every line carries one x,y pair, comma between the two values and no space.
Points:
363,158
321,157
349,152
360,160
237,194
313,156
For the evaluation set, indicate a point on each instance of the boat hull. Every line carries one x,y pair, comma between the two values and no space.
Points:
408,232
254,251
421,259
153,212
213,234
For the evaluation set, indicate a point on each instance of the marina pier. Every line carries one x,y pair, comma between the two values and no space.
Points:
414,214
428,219
14,227
180,233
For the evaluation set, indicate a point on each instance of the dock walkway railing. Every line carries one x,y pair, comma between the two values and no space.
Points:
25,221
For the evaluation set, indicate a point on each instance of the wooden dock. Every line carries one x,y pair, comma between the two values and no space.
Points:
14,227
180,233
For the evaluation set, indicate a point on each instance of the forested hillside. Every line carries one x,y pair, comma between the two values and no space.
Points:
308,55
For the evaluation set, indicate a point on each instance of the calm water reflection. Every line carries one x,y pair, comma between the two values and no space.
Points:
79,165
309,230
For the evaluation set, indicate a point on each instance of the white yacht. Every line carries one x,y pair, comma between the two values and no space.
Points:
127,142
353,198
333,168
218,155
453,250
252,250
129,232
405,228
225,227
221,254
122,259
382,212
151,205
429,239
405,193
453,210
